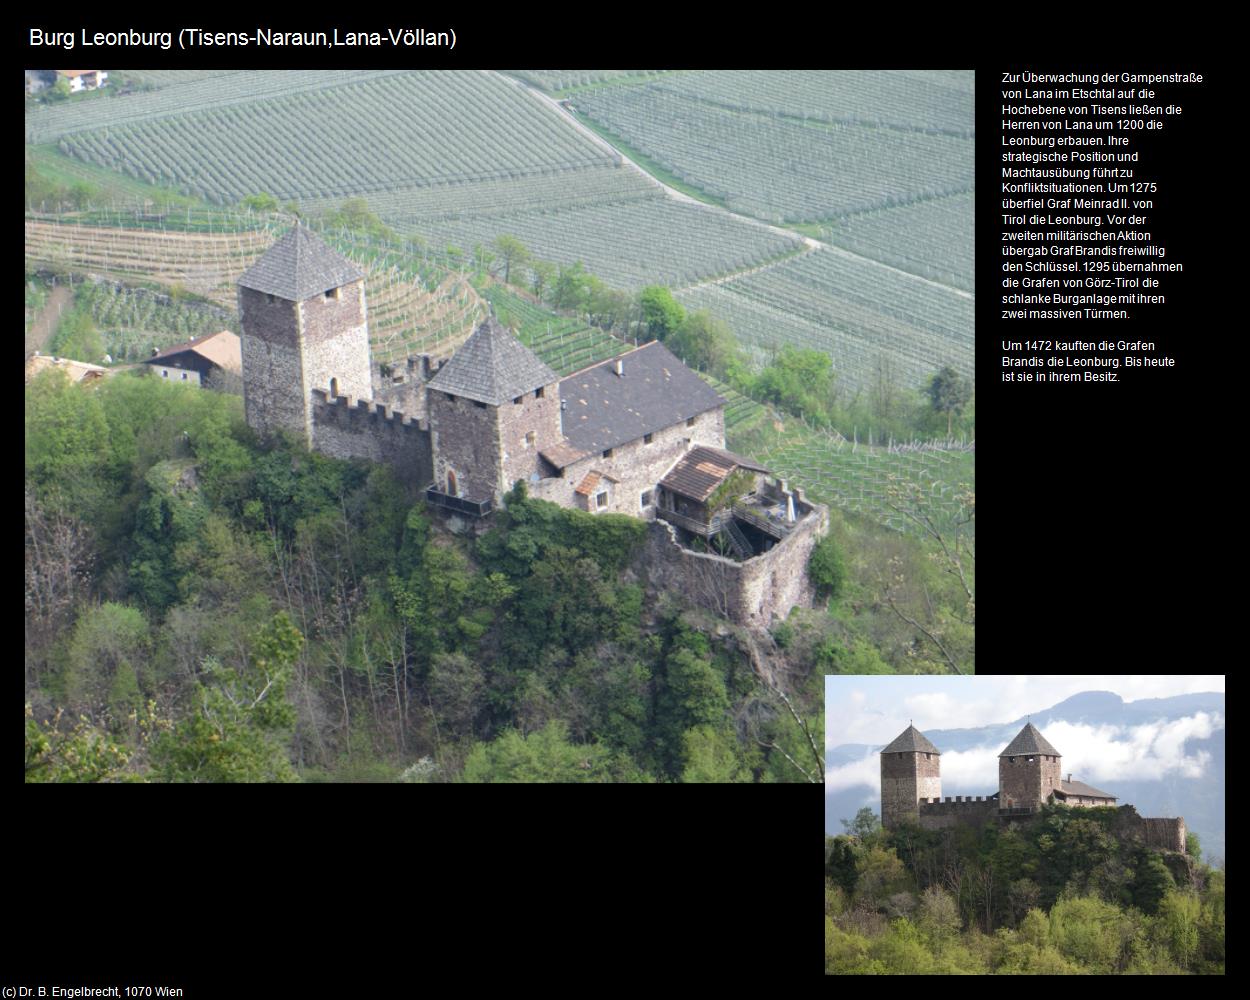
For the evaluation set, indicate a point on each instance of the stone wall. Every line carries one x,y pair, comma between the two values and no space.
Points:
343,429
750,593
273,373
465,440
905,779
402,385
335,335
937,813
1027,780
1168,834
541,415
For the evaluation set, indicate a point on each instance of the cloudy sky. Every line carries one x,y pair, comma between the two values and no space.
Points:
874,710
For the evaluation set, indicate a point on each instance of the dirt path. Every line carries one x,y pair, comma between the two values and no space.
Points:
808,241
45,323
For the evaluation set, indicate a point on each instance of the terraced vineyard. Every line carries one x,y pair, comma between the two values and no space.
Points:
227,153
844,143
179,91
851,308
408,208
414,305
132,321
566,344
930,238
627,244
859,479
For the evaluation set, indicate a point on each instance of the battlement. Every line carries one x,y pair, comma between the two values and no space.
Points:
341,411
361,428
959,800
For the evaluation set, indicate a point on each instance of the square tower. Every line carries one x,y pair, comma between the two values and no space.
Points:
492,408
304,326
1028,771
910,771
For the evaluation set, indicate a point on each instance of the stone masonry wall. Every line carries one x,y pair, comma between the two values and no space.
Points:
465,440
343,429
335,335
273,376
750,593
1166,833
540,415
905,779
938,814
1027,780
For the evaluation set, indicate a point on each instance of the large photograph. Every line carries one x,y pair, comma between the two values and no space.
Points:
489,425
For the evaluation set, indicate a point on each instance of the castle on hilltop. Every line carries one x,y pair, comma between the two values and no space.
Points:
1029,776
639,434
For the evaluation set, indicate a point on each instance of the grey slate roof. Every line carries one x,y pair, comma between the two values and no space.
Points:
910,738
493,367
702,469
602,409
298,267
1027,741
1080,788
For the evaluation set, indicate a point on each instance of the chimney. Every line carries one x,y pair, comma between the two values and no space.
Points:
1069,779
620,367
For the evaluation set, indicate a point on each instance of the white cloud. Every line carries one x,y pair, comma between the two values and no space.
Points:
1153,750
860,772
1092,754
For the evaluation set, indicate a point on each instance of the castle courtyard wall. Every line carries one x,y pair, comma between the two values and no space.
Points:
750,593
940,814
343,428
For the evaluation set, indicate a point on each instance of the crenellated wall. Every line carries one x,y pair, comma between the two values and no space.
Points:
937,814
343,428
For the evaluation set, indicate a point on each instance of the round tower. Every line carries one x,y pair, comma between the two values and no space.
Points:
1028,771
910,771
303,326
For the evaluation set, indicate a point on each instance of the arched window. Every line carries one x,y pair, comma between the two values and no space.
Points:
334,387
451,483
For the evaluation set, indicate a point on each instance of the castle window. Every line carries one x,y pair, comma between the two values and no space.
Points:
518,399
601,499
332,293
479,405
269,298
690,422
184,376
530,438
646,498
1011,760
646,439
451,483
538,393
450,397
607,452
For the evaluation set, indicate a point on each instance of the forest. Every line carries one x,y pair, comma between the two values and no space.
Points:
202,607
1061,894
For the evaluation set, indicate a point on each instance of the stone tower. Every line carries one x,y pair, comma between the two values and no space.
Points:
910,771
492,408
1028,771
303,324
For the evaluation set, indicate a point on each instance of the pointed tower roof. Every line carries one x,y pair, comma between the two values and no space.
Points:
910,739
299,266
1027,741
493,367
